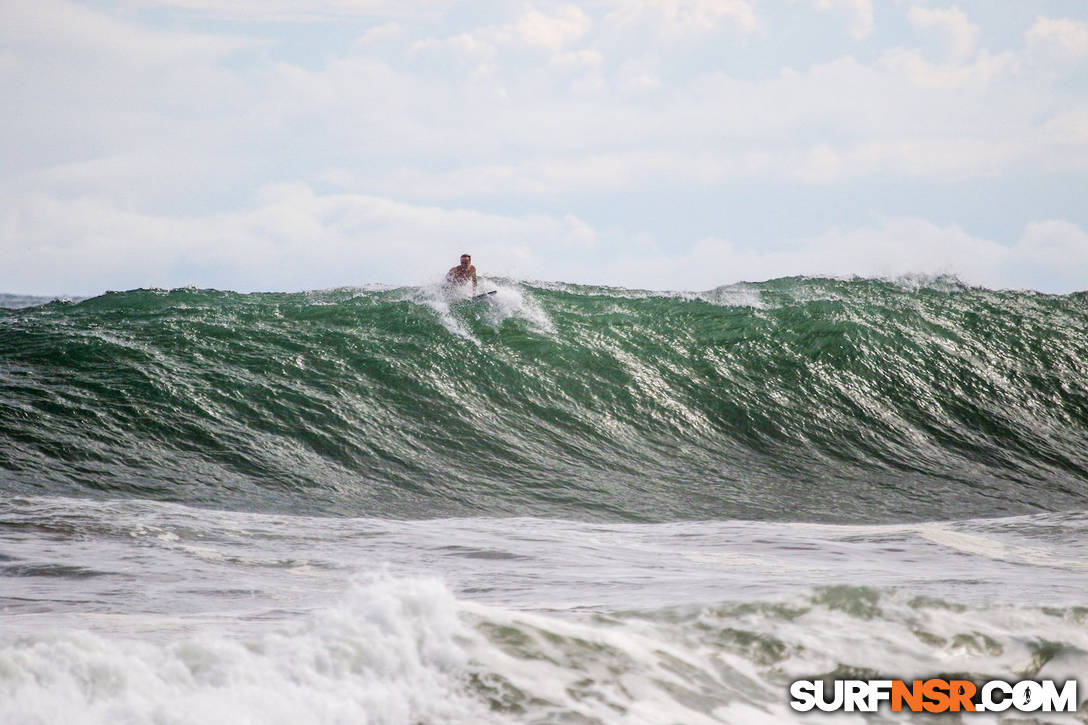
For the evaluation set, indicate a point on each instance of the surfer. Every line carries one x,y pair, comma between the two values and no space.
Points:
463,273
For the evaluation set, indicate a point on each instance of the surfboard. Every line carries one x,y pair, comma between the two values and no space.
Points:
485,295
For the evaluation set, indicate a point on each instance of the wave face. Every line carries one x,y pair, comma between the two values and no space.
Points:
811,399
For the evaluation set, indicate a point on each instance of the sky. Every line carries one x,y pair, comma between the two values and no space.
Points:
664,144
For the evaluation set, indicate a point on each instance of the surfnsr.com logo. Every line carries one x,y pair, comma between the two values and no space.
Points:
934,695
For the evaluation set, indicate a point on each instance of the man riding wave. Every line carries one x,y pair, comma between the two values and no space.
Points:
463,273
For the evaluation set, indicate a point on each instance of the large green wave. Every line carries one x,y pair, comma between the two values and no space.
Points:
814,399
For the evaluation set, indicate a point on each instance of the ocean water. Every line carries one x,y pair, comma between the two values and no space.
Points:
567,504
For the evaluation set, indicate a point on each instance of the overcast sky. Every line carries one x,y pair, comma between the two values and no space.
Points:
681,144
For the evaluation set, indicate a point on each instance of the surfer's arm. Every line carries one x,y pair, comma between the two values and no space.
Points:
474,280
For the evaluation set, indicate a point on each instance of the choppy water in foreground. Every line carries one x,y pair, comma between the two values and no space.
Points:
570,504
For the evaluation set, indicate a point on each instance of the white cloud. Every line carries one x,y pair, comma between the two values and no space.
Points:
154,177
549,176
463,44
837,120
1052,254
859,12
924,74
292,238
899,247
380,33
958,34
901,116
639,75
578,60
86,87
291,11
950,159
1059,41
99,39
555,31
137,130
1048,254
1070,127
935,158
532,30
674,20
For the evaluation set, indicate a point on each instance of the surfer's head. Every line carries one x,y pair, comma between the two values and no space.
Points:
466,260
